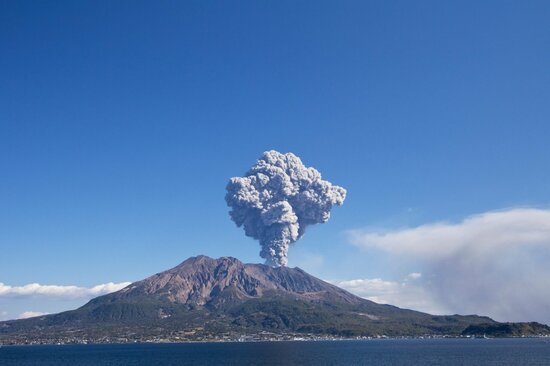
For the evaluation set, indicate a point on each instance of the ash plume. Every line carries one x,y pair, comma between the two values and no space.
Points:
277,199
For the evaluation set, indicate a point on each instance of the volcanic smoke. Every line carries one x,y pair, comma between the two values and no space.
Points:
277,199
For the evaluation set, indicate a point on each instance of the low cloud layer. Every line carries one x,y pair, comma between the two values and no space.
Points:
71,292
495,263
407,293
30,314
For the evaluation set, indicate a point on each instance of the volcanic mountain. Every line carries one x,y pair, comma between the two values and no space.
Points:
204,298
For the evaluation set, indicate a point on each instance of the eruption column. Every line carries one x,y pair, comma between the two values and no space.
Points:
277,199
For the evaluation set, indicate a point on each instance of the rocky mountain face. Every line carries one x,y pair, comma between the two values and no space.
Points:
205,298
203,281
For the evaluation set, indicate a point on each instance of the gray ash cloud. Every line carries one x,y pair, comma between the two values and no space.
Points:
277,199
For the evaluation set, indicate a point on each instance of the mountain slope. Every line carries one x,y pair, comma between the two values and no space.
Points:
203,298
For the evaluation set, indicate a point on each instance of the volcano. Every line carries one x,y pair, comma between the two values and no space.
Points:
212,299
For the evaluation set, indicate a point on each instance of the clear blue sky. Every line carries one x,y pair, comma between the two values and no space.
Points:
121,122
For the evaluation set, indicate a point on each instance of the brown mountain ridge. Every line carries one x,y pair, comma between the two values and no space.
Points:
208,299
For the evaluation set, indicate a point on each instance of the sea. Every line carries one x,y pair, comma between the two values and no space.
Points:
389,352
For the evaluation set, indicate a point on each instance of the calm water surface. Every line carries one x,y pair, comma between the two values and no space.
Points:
451,352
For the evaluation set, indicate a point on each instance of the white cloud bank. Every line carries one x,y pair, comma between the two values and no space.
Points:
406,294
495,263
30,314
71,292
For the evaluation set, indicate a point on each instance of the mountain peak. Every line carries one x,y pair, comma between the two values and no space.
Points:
204,259
203,296
202,281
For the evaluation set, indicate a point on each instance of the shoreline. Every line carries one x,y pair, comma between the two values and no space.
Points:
365,339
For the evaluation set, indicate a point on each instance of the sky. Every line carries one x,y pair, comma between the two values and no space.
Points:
122,122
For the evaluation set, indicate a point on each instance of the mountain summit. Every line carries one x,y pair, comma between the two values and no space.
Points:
209,299
214,283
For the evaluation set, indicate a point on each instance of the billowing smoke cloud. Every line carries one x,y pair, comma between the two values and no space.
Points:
494,263
277,199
